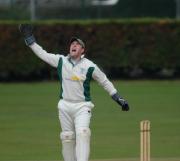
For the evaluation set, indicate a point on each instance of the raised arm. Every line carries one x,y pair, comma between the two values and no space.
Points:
27,31
101,78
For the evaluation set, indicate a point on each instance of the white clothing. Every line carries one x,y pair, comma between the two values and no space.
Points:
75,119
75,102
75,79
73,116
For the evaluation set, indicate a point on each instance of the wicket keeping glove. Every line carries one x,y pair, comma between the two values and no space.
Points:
27,31
123,103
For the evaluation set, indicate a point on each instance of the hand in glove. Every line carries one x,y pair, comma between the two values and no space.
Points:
123,103
27,31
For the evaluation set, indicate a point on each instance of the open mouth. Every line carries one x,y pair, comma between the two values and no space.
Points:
73,50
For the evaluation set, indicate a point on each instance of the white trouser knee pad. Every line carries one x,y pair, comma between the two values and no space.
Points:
83,144
68,145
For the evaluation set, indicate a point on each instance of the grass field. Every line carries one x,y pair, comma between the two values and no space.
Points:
29,125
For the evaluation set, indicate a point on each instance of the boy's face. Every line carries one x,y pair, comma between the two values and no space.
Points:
76,50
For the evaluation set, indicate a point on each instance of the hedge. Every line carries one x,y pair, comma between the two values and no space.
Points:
123,48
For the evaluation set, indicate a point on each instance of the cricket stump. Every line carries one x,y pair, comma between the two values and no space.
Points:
145,140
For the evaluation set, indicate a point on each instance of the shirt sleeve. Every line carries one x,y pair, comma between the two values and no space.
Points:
51,59
101,78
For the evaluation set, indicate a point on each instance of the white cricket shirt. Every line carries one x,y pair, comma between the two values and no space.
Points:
74,78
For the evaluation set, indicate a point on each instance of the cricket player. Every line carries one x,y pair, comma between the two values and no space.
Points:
75,73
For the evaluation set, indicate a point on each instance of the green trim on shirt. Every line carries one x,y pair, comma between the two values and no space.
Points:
69,59
86,84
59,70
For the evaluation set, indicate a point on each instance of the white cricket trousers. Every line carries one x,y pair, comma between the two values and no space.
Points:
75,120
